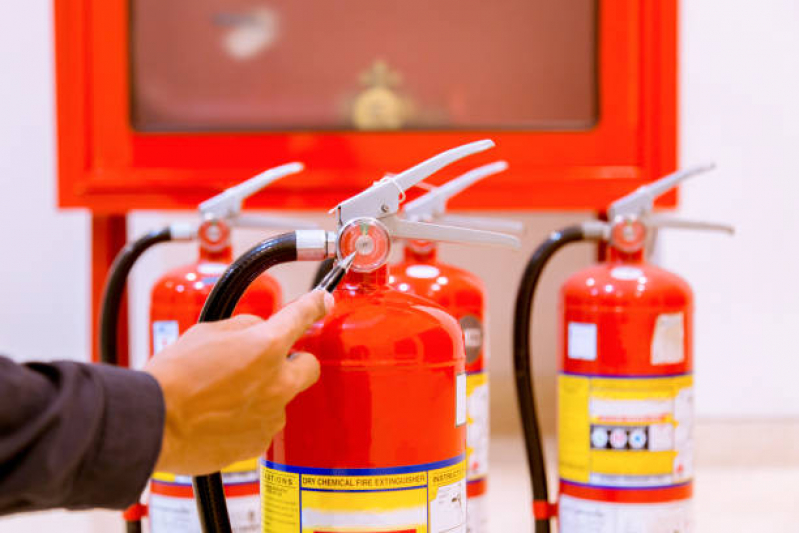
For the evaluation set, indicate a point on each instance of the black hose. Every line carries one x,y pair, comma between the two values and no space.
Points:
522,361
209,491
115,288
322,270
112,300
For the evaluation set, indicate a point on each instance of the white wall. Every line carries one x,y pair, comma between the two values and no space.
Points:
44,263
740,108
740,79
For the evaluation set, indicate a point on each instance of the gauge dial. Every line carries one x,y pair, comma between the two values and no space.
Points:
369,239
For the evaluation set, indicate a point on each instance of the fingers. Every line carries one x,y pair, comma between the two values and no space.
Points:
301,371
287,325
238,322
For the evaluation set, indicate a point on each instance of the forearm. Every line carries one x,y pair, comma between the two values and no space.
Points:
76,436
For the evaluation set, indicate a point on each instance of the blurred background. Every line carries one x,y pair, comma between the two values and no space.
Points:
738,81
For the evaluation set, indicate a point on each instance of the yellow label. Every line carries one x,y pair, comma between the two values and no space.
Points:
241,467
280,501
420,499
477,432
625,432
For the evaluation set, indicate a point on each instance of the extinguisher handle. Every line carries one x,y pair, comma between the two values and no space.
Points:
228,204
426,231
383,198
503,225
642,200
659,221
434,202
270,222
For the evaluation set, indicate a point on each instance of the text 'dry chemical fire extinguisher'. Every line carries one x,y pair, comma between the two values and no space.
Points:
378,444
176,302
625,396
462,294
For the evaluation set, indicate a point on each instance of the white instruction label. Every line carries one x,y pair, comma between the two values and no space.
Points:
582,341
179,515
585,516
165,332
668,342
460,399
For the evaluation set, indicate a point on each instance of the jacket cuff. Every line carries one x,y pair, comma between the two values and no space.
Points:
130,436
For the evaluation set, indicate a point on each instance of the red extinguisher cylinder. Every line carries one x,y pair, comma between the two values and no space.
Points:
462,294
626,397
177,299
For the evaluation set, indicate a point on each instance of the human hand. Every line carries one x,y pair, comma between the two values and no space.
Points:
226,385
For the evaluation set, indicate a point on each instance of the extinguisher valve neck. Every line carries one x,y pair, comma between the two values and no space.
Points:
228,204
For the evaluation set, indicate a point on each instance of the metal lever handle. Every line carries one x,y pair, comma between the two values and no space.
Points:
425,231
408,178
435,201
483,223
681,223
642,200
269,222
383,198
228,203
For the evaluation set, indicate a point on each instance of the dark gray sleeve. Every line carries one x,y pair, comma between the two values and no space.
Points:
75,435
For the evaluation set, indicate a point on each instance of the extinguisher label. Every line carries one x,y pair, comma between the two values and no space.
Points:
172,508
626,432
165,332
576,515
477,425
460,399
428,498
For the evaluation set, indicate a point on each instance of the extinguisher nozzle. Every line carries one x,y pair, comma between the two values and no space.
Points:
334,277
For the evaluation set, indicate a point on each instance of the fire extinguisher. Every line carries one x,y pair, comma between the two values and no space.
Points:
378,444
625,396
176,302
462,294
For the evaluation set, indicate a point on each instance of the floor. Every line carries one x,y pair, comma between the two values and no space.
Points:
747,475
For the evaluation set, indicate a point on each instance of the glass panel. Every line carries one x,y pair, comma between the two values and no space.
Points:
363,64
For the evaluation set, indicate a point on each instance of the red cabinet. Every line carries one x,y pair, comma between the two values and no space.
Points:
162,104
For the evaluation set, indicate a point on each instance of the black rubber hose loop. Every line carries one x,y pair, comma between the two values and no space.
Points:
522,361
209,491
112,301
115,287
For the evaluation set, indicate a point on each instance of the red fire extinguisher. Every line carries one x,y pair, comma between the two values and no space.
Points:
378,444
462,294
176,302
625,393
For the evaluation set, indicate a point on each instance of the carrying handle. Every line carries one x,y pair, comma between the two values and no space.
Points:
270,222
659,221
228,204
435,202
383,198
426,231
503,225
641,201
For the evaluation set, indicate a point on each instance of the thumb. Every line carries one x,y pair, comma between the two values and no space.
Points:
287,325
301,371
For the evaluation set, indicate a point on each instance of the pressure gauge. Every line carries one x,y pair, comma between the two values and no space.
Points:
370,241
628,234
